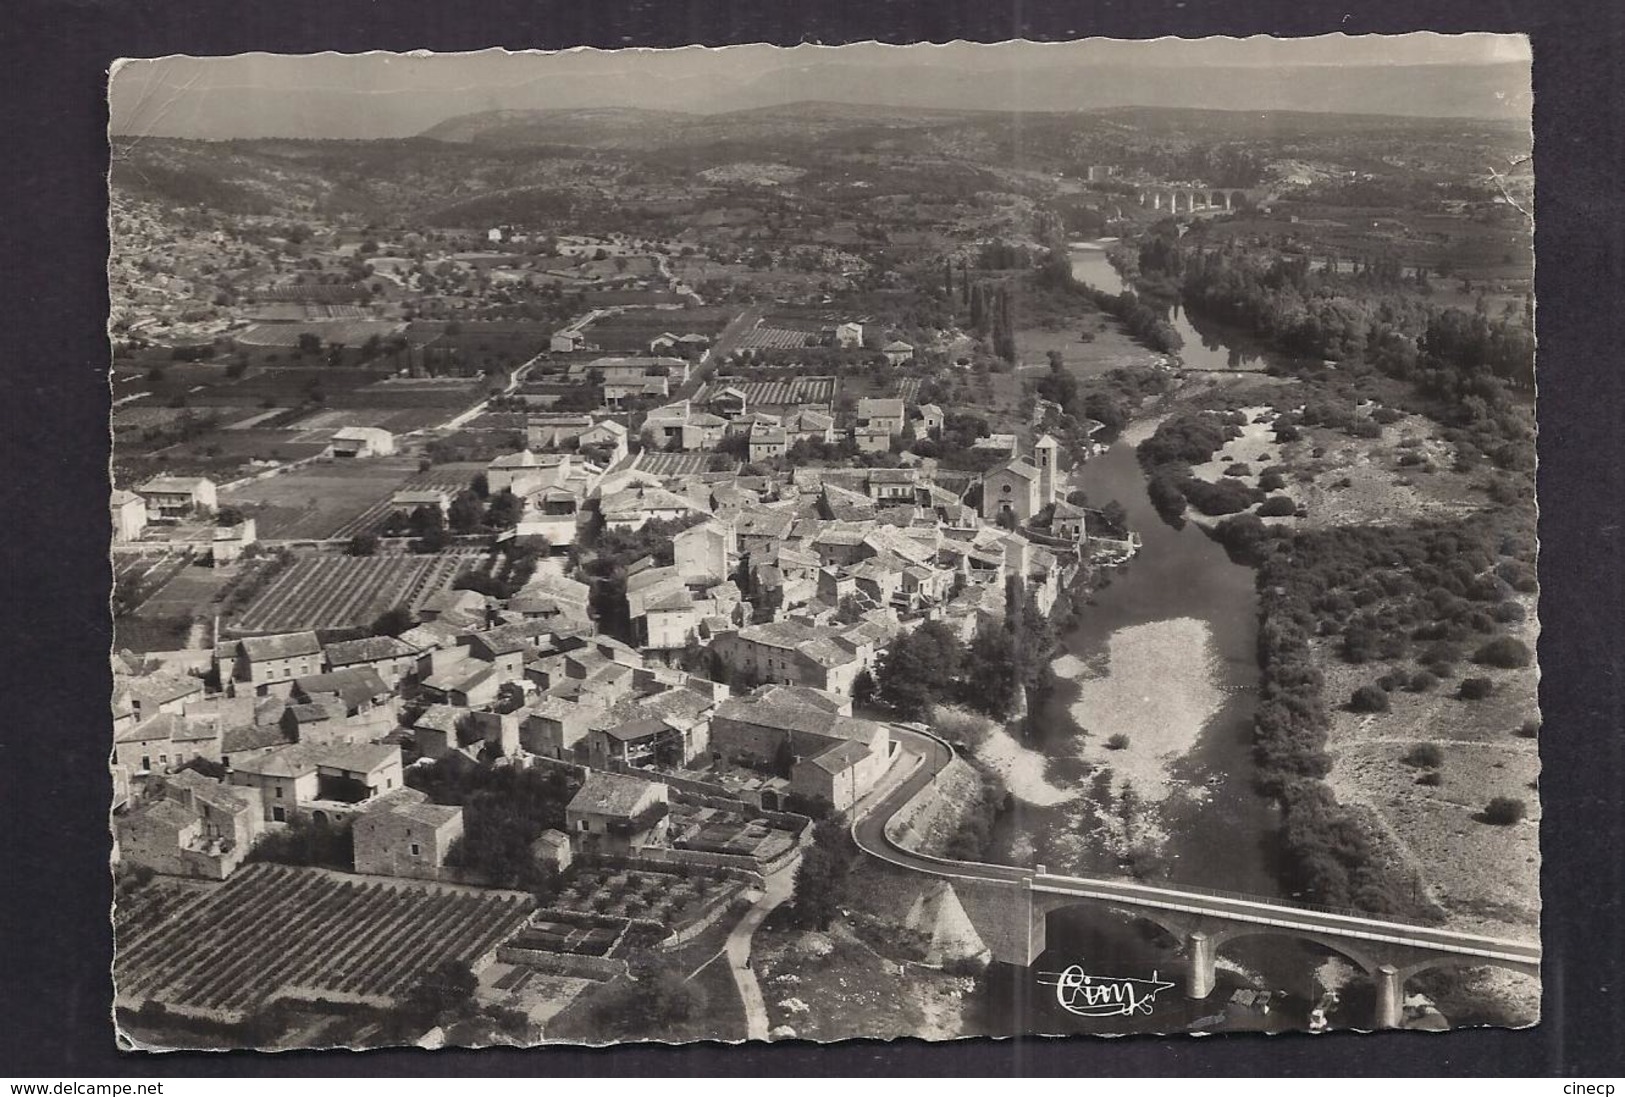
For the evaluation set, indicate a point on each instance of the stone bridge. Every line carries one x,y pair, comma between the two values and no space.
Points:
1010,907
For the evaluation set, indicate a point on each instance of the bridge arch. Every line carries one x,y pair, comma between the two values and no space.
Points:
1444,959
1170,922
1342,946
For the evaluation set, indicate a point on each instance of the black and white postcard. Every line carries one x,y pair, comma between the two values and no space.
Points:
762,544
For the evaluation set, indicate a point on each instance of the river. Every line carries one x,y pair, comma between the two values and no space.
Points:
1208,345
1220,833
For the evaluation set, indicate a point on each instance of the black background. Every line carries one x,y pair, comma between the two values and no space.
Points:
54,888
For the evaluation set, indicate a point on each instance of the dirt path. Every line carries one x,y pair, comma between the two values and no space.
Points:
777,889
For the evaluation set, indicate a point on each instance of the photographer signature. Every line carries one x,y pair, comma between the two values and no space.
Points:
1102,996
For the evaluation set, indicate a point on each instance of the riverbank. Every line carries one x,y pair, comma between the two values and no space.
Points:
1142,711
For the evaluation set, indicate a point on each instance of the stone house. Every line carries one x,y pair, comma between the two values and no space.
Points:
402,834
319,781
269,664
617,814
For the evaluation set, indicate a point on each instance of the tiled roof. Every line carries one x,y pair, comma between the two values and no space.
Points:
880,408
301,759
355,686
316,712
841,757
672,601
1019,467
253,737
802,718
164,485
443,718
610,794
288,645
162,688
366,650
800,696
633,730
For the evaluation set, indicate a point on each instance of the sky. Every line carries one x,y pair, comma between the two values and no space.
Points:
380,95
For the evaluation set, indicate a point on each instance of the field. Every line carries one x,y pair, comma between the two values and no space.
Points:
333,592
335,500
151,571
1108,347
259,387
188,591
273,931
328,420
674,464
321,500
763,337
795,390
345,332
631,330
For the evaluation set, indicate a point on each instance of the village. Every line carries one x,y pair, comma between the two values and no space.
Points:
684,664
816,572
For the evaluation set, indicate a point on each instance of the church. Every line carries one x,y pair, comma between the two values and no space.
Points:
1023,485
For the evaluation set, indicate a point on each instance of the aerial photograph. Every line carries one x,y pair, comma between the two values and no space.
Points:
820,543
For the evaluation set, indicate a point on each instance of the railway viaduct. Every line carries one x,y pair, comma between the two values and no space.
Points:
1188,199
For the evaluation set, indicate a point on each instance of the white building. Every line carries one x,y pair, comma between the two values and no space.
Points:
363,442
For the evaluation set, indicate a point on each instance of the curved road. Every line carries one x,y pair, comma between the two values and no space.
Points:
869,832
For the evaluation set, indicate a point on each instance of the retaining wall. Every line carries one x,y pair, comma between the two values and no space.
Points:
598,968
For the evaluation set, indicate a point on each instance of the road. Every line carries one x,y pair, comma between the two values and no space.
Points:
724,345
869,831
777,890
478,409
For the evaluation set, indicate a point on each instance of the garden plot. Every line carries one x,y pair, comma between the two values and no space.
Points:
670,898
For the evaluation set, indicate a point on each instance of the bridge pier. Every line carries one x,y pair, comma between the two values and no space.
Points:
1199,976
1390,997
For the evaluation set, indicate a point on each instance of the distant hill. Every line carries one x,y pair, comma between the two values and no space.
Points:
1416,91
624,98
585,126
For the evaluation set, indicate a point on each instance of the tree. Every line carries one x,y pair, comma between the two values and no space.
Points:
466,513
446,989
1369,699
393,622
919,669
364,544
863,687
818,889
655,996
505,510
309,343
229,517
784,758
993,680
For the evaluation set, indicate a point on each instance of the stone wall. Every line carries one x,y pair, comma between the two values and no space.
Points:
930,819
600,968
